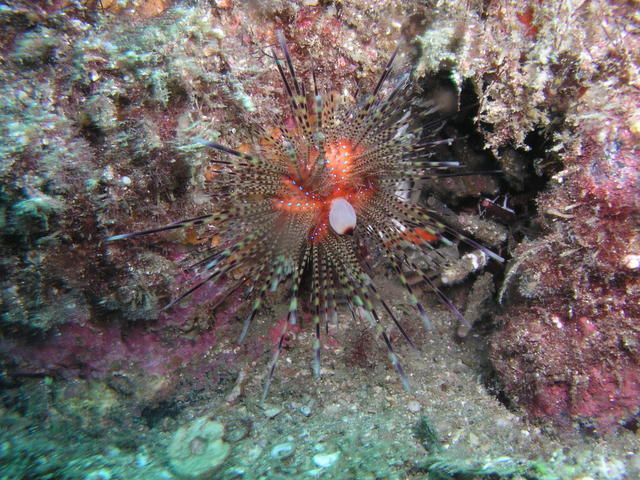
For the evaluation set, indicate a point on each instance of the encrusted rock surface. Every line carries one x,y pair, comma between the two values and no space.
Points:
99,106
197,450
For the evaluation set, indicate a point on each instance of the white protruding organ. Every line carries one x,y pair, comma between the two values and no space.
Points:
342,216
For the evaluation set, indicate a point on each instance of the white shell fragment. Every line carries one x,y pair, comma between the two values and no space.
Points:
342,216
326,460
459,270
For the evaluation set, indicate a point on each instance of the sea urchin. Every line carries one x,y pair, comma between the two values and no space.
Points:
303,201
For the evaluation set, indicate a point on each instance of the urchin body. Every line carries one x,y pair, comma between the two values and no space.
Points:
301,201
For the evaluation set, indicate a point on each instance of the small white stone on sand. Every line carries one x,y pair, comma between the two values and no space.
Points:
108,174
272,412
632,262
305,410
218,33
326,460
282,451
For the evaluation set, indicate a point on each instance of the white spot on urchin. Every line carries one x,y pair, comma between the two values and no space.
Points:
342,216
403,192
400,226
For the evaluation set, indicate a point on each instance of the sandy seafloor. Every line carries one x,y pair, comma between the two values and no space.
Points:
359,417
77,151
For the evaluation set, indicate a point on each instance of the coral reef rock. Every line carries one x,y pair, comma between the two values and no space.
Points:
197,449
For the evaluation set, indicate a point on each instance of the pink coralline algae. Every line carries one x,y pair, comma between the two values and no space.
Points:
568,348
613,176
571,370
137,352
572,354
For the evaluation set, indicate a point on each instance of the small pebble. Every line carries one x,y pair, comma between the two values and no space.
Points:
252,454
504,422
272,412
305,410
235,472
326,460
102,474
218,33
632,262
108,174
282,451
414,406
